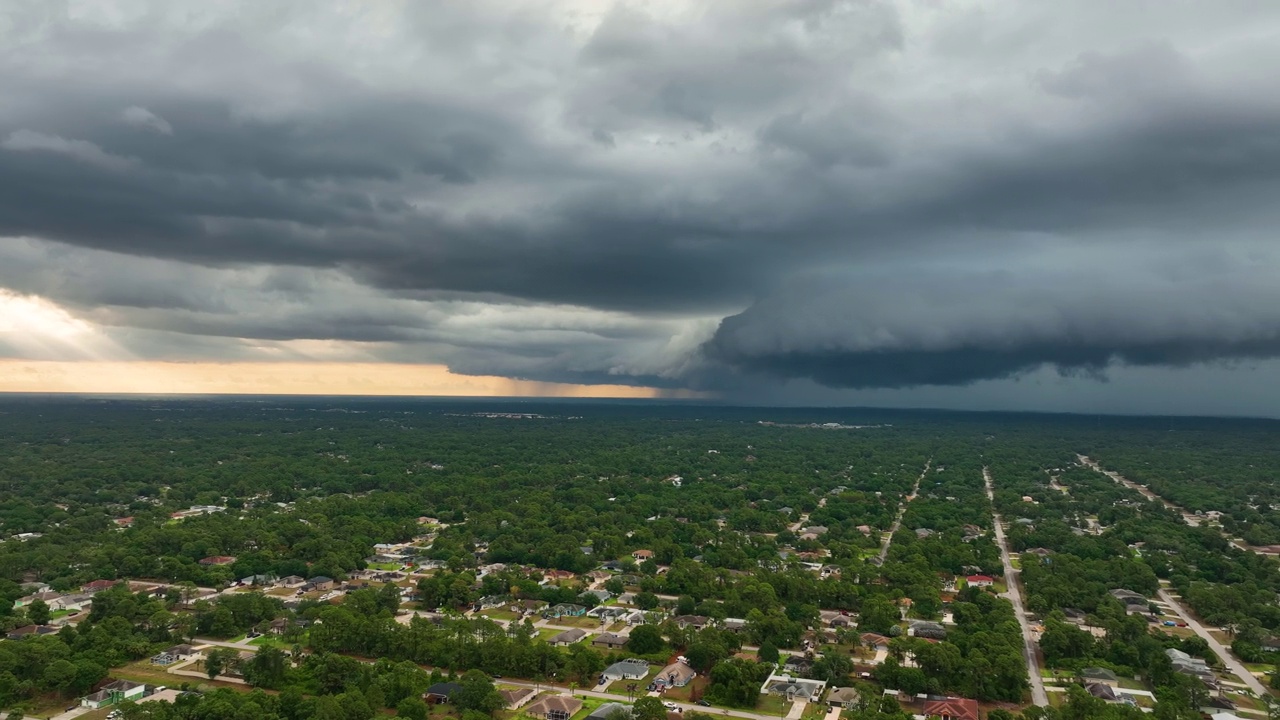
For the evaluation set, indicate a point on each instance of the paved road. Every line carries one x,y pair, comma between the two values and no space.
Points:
1227,658
687,707
902,510
1189,518
1038,695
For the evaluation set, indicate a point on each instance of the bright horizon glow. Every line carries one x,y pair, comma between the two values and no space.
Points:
287,378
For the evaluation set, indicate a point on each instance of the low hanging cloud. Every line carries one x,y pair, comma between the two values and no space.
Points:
717,195
957,328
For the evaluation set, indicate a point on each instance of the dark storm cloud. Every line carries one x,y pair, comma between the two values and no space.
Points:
961,328
383,175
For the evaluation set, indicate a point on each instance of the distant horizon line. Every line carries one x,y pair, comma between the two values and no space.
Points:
601,400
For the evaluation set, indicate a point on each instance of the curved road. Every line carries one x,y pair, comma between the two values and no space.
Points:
1038,695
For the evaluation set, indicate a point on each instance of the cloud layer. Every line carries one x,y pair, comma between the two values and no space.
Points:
726,195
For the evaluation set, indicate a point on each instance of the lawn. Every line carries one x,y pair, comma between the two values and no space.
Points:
688,692
500,614
589,704
387,566
276,641
619,687
773,705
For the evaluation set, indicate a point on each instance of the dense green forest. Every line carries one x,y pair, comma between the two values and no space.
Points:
759,515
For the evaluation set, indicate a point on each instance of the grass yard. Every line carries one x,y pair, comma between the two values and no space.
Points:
277,642
619,687
548,633
589,704
500,614
772,705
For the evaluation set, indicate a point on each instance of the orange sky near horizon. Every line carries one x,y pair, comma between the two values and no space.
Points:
286,378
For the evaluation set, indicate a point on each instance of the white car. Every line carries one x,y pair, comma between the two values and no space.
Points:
669,705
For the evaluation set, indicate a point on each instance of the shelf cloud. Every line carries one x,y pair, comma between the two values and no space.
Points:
734,197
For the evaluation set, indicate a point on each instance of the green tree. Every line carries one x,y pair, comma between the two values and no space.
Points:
412,708
768,653
646,639
38,612
649,708
477,693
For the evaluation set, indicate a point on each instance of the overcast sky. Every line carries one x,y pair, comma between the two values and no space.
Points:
1031,205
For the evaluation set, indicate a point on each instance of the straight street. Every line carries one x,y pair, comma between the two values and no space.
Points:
1038,695
902,510
1234,665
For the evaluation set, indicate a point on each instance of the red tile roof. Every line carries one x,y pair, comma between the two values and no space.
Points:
952,708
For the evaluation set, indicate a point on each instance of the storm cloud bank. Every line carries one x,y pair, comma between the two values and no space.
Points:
959,329
729,196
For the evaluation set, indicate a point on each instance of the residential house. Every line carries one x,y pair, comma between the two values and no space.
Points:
606,711
1130,598
97,586
923,533
696,622
608,613
217,560
489,602
982,581
1102,691
865,530
875,641
553,577
319,582
1097,675
173,655
1187,665
19,633
258,580
564,610
116,691
927,629
568,637
609,641
835,618
949,708
599,595
527,606
555,707
71,603
629,669
47,597
676,674
441,693
291,581
642,555
793,688
797,665
736,625
845,697
517,697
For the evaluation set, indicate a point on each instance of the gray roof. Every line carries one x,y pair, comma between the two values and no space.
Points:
1098,673
604,711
